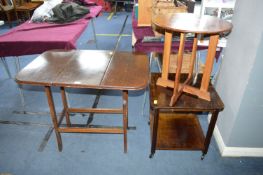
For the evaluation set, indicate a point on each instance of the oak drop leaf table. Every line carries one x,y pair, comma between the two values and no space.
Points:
93,69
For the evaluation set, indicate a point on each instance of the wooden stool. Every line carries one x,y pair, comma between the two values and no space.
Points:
189,23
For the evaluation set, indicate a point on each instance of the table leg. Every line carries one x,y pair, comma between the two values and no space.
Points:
154,131
65,104
125,118
166,54
209,62
178,70
53,115
209,132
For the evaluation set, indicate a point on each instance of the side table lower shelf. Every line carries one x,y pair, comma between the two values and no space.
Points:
178,131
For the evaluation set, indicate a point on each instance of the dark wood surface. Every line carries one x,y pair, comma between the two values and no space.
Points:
127,70
160,97
84,69
176,127
87,69
188,22
179,132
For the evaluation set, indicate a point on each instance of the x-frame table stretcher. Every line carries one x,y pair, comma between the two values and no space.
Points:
87,69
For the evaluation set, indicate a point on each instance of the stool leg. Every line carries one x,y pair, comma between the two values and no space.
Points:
53,116
166,54
125,118
178,70
209,62
65,104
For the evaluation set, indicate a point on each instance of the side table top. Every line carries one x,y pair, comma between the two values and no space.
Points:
87,69
160,97
188,22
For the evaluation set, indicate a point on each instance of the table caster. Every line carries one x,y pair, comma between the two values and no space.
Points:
202,157
151,155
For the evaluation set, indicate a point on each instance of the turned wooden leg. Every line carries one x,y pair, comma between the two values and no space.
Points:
125,118
65,104
178,70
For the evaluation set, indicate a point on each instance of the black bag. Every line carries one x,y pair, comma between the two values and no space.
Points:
68,12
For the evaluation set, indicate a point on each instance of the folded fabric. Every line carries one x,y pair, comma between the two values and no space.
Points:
67,12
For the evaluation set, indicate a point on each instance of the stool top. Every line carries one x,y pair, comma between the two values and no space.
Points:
188,22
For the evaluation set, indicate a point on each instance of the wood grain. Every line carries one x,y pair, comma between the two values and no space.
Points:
188,22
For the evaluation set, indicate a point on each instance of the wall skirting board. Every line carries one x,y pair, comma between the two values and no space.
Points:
226,151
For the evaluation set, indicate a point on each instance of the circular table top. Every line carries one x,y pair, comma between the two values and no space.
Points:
188,22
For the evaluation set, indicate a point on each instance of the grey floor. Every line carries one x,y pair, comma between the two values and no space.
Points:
21,135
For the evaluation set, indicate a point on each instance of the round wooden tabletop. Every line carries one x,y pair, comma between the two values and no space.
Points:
188,22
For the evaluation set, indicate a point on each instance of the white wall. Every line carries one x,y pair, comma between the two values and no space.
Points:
239,83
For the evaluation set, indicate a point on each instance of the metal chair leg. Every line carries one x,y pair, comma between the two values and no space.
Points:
3,61
94,33
115,8
147,88
145,99
21,93
196,67
156,59
158,64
